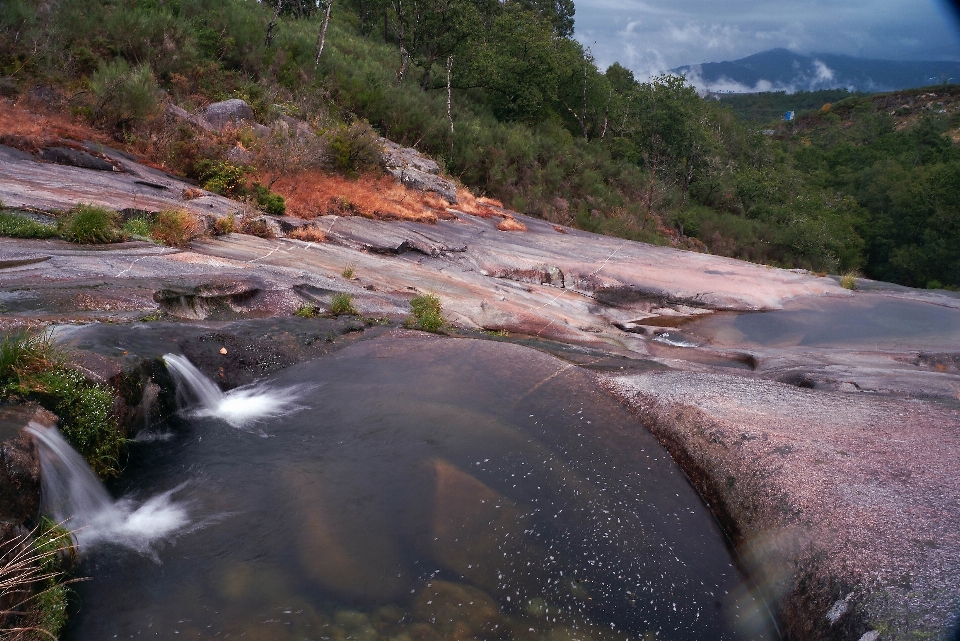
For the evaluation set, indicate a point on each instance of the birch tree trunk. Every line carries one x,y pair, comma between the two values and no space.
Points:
323,34
449,94
273,23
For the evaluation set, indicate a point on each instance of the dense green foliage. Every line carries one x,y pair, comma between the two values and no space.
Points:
427,313
772,105
32,369
907,181
532,122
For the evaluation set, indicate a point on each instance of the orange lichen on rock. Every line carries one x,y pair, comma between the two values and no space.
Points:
309,194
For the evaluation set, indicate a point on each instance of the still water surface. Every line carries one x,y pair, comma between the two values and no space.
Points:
426,489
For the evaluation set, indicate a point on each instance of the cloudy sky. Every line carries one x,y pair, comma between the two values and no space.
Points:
649,36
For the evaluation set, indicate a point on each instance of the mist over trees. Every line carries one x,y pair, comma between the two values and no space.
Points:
530,120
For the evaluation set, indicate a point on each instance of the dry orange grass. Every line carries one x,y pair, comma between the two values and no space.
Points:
308,233
314,193
32,131
482,207
511,224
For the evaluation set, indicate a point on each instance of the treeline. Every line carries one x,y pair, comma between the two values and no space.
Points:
498,92
769,106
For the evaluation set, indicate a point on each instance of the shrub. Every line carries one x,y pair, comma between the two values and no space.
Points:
353,150
269,202
16,226
342,304
427,313
848,281
125,95
349,271
174,228
221,177
90,224
224,225
256,227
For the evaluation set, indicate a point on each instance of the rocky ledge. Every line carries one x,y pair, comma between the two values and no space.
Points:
819,423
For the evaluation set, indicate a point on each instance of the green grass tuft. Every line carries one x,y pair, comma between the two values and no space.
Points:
342,304
89,224
307,310
427,313
138,227
848,281
17,226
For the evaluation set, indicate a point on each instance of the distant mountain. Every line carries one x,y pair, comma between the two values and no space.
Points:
784,70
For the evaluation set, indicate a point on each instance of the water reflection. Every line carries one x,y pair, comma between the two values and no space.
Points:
432,489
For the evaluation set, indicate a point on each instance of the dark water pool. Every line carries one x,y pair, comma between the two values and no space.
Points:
431,489
863,320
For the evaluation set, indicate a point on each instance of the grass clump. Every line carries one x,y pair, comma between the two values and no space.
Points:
848,281
307,310
138,227
427,313
90,224
174,228
31,368
349,271
17,226
342,305
32,572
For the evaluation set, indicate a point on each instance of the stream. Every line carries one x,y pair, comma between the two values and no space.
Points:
415,489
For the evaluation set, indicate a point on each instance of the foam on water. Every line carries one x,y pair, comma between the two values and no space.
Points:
73,495
239,407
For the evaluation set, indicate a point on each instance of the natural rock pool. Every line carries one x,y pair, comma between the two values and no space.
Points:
426,488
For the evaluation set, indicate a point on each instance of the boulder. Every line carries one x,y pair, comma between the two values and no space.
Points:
233,111
19,465
75,158
416,171
181,115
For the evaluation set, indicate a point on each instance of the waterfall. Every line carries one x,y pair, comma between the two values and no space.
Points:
238,407
73,495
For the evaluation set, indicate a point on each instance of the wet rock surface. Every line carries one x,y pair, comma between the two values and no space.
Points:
19,465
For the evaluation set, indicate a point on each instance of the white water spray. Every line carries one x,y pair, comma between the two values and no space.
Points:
238,407
72,494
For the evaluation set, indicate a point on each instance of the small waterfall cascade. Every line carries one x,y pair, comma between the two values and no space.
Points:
239,407
73,495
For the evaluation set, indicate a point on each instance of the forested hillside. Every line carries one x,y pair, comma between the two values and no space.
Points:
515,109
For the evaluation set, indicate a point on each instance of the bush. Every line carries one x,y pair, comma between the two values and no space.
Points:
269,202
16,226
221,177
125,95
342,304
353,150
90,224
174,228
848,281
427,313
224,225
